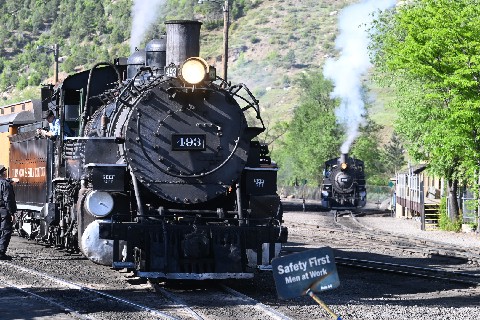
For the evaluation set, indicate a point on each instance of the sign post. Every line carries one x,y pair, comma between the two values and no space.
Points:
323,305
306,273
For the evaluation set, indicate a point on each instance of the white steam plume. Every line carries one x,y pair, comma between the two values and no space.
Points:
347,70
144,13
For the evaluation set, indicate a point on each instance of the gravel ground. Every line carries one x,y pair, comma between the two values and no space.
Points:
412,227
76,269
362,295
365,295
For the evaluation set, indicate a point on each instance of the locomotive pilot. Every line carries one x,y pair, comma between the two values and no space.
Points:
8,207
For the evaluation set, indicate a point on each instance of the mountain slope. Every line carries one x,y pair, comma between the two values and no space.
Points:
270,42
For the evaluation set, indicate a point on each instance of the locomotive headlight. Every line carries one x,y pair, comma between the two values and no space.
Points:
194,70
343,166
99,203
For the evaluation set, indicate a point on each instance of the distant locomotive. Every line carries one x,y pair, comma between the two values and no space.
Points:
344,184
163,176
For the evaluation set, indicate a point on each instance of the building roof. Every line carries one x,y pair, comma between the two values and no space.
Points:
416,169
419,168
22,117
20,113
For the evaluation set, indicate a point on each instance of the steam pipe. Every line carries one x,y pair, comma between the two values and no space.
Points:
239,205
137,192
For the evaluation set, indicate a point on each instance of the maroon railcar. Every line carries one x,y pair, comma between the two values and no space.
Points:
30,167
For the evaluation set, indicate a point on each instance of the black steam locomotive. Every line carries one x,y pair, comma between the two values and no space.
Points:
163,176
343,185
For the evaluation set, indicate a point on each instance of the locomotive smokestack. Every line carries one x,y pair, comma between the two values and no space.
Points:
343,161
183,40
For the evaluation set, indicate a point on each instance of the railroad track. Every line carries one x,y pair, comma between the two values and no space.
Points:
74,284
413,244
76,299
202,297
352,232
352,240
410,270
471,279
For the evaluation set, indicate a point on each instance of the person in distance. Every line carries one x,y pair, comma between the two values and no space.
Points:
8,207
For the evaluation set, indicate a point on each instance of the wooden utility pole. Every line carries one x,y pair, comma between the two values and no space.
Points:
226,22
55,50
55,63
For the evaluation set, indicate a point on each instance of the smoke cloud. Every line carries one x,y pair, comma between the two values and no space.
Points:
353,63
144,13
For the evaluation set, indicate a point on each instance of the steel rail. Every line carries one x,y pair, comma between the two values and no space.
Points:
372,265
76,313
88,290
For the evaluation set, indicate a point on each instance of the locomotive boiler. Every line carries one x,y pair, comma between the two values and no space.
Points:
164,175
343,185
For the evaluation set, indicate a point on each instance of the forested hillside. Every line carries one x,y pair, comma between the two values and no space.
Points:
271,41
86,31
276,47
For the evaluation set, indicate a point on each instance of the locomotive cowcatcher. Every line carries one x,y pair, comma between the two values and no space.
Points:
163,176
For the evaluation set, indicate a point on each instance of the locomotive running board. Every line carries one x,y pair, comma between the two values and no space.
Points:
345,208
194,276
123,265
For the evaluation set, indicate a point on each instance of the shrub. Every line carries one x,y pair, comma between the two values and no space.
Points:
259,92
444,222
254,40
22,83
34,79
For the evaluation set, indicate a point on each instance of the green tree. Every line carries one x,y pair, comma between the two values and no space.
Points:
290,58
429,50
366,147
394,157
22,83
313,135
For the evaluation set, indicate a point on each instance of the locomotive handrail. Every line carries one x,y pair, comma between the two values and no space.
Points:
224,83
234,91
131,84
125,91
137,192
85,108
